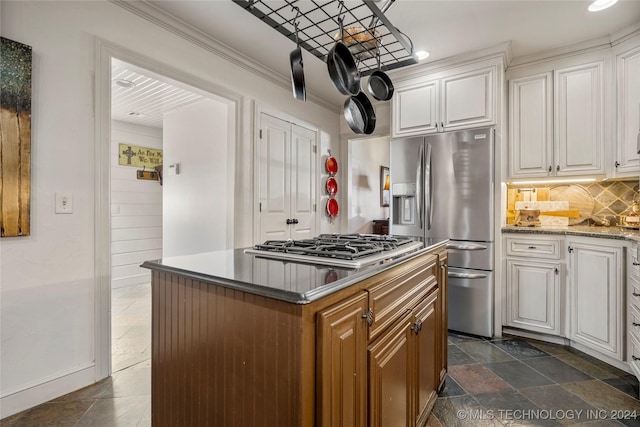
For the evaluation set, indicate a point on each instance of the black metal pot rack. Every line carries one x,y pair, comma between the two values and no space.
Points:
318,28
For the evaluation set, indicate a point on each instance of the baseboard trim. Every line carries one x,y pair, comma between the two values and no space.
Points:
33,395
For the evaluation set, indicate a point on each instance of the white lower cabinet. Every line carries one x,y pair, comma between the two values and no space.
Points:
533,283
633,311
595,272
573,287
534,295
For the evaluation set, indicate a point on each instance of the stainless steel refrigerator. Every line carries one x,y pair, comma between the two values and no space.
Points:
442,187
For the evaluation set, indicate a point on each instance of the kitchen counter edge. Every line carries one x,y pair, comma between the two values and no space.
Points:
616,233
291,296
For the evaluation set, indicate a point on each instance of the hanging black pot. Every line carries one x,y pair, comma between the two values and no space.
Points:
297,70
359,114
380,85
342,67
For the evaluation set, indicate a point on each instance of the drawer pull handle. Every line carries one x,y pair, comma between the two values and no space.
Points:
532,247
635,294
635,324
369,317
635,263
635,358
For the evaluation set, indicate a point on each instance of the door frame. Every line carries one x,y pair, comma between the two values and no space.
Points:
104,52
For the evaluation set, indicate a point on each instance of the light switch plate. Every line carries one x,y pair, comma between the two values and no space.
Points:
64,202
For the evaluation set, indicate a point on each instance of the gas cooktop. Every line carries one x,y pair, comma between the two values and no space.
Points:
349,250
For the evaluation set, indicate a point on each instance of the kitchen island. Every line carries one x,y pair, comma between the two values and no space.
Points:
240,340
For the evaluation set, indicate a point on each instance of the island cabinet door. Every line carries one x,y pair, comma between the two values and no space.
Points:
426,354
342,364
391,372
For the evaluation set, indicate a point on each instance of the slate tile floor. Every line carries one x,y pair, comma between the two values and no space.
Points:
501,382
517,382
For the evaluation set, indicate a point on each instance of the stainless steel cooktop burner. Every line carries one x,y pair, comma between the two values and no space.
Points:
337,249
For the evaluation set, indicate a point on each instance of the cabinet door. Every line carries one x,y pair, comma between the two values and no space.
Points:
390,376
533,295
595,283
427,339
628,96
415,108
443,283
468,99
342,364
579,120
531,126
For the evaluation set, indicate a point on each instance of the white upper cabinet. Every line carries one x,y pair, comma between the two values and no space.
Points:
530,130
627,162
415,108
459,98
579,121
557,122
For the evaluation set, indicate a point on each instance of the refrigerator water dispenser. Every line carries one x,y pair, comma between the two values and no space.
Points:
404,203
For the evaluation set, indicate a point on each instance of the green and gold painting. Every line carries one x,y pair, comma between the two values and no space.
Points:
15,138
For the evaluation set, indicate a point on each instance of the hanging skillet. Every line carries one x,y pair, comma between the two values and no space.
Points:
297,71
359,114
380,85
342,67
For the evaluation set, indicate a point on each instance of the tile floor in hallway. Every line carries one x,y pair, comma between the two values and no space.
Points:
516,381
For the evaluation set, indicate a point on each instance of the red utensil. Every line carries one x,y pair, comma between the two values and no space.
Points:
332,207
332,186
331,165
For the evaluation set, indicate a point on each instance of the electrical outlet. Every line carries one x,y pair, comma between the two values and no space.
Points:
64,203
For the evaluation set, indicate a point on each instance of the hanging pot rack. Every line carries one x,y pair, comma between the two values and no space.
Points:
318,29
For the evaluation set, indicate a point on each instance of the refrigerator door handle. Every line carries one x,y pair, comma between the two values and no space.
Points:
419,186
466,275
466,247
429,197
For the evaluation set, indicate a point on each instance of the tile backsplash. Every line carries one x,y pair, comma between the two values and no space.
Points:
611,198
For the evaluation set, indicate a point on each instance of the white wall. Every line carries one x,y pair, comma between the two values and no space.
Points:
365,158
136,209
195,209
48,280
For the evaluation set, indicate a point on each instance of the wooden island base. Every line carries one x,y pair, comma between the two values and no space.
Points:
371,354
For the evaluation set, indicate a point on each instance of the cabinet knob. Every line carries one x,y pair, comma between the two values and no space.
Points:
416,327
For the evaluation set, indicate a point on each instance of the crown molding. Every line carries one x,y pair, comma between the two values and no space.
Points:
501,51
562,52
151,13
625,34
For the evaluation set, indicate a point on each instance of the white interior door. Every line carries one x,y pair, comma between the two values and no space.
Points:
274,183
303,182
287,180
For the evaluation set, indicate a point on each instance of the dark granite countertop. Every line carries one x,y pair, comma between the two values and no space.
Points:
615,232
294,282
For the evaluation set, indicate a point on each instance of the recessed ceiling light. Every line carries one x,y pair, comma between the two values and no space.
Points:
599,5
135,114
125,83
422,54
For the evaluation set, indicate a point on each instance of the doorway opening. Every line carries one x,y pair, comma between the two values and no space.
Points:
153,111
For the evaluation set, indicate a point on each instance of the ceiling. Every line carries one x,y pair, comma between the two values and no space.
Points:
444,28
